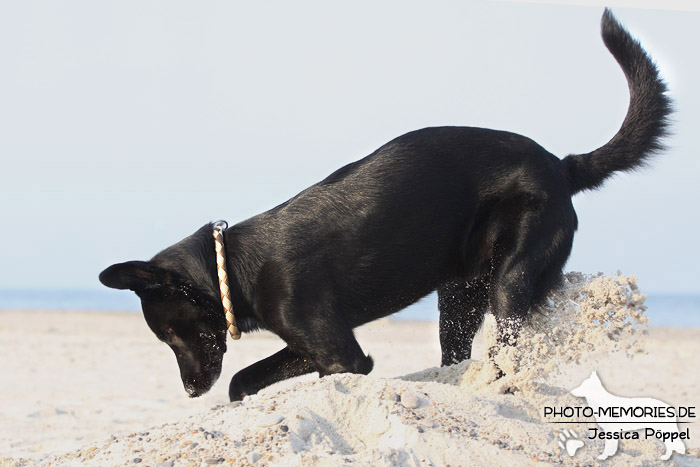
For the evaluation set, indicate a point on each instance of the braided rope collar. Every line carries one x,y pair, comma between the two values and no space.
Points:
219,228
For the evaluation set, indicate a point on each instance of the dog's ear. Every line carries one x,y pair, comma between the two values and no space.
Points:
133,275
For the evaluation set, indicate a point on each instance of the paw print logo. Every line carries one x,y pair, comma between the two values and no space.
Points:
568,441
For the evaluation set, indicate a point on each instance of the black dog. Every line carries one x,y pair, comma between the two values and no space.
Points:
483,216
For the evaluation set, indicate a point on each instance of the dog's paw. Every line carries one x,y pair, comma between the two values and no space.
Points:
568,441
238,389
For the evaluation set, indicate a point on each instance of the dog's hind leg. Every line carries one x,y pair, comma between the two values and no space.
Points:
462,307
277,367
675,445
528,258
511,297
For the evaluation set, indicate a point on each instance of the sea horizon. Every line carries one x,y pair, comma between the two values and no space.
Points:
663,309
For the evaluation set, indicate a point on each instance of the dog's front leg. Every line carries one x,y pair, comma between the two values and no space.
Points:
609,449
283,365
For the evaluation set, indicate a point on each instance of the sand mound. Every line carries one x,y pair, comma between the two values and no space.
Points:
459,415
350,419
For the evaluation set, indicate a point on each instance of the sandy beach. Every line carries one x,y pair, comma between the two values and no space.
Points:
92,388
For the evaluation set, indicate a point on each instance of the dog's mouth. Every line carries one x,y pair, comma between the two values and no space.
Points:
201,384
199,375
193,391
199,368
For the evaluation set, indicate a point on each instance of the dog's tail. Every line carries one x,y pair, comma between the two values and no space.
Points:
644,126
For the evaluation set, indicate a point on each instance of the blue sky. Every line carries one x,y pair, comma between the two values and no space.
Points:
124,126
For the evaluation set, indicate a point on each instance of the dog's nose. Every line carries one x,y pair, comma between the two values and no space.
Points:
191,390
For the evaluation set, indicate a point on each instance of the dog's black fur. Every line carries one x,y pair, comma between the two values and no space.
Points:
483,216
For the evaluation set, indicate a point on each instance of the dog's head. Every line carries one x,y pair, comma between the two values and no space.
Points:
588,387
180,314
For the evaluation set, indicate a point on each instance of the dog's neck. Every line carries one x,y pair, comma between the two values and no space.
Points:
195,258
243,261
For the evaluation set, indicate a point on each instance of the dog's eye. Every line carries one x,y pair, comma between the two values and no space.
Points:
169,332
